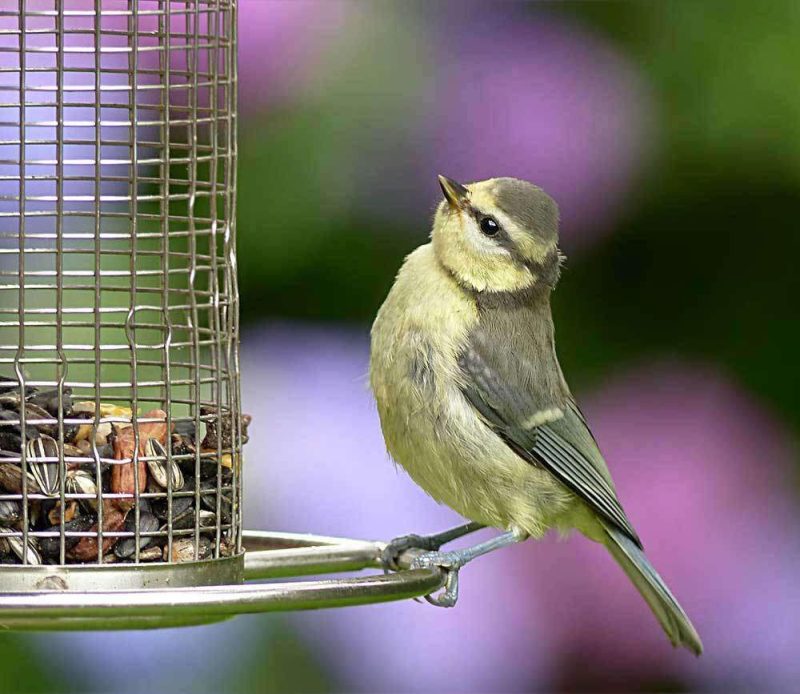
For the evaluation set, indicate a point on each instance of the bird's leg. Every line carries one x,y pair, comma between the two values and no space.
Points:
453,561
396,547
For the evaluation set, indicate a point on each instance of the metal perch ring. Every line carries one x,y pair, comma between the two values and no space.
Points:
268,555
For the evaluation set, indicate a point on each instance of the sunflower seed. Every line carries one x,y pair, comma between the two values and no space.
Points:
151,554
208,519
82,482
45,472
10,512
158,466
27,554
183,550
11,479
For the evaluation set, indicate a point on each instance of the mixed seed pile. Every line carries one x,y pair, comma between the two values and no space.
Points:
185,509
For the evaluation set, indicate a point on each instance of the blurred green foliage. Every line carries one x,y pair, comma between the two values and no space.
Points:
286,665
693,285
24,668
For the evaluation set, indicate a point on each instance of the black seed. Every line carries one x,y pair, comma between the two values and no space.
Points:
48,400
50,545
185,520
180,505
148,523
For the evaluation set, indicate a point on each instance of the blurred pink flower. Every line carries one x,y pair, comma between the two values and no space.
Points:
521,93
281,46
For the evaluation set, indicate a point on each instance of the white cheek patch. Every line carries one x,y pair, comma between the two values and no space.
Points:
482,198
529,246
480,242
511,227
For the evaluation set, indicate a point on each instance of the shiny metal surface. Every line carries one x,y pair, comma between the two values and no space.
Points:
268,554
87,577
276,555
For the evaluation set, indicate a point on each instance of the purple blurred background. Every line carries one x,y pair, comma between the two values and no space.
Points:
627,115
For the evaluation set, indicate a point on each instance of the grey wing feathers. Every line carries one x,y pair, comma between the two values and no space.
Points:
573,464
565,446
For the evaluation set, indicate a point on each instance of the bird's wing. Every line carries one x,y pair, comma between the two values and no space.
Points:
555,437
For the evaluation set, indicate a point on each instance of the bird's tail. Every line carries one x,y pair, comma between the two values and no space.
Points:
665,607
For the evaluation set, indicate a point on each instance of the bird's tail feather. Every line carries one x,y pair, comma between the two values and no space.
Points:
665,607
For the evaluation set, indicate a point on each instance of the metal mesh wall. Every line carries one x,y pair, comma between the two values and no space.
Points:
120,427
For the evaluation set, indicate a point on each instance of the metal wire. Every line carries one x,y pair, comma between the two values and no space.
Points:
118,280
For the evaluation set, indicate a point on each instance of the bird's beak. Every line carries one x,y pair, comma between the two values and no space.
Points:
454,193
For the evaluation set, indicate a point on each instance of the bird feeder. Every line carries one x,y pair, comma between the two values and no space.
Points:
121,429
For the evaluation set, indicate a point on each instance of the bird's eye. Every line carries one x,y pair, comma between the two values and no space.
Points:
489,226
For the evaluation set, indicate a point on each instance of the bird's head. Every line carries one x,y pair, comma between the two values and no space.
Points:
499,235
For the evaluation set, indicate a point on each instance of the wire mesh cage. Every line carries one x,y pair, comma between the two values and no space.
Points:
120,418
121,429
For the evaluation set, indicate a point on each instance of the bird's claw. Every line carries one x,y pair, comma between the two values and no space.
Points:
391,553
451,563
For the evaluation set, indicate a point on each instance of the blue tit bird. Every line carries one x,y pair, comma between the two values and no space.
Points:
472,400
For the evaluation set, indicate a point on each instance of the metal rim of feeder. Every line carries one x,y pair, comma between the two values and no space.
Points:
120,411
269,555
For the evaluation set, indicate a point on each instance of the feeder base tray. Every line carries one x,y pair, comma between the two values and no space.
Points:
267,556
91,578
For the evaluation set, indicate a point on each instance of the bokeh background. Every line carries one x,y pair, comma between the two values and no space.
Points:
669,133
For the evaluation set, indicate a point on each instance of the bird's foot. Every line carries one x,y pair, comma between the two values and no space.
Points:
429,543
391,553
451,562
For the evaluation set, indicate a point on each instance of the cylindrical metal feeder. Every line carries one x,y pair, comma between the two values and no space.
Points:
121,429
